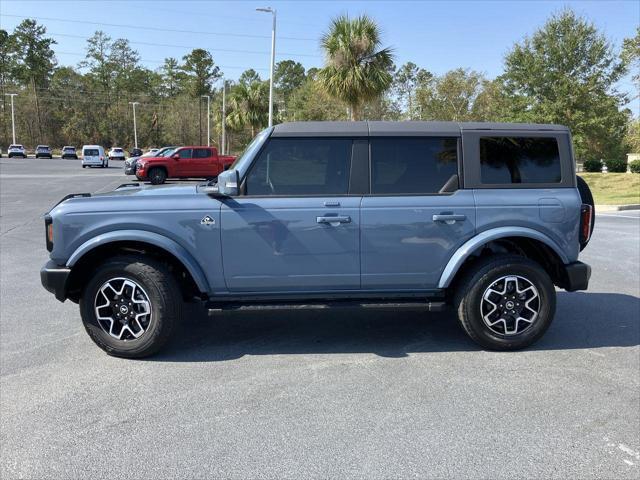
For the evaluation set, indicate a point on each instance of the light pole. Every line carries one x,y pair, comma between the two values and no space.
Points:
273,59
13,119
208,97
135,129
224,115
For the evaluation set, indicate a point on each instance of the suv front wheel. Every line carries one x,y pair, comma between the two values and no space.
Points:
130,306
505,302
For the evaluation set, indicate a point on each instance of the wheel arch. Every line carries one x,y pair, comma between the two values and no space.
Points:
187,270
524,241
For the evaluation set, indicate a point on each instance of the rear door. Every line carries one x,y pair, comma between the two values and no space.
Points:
416,216
204,163
297,226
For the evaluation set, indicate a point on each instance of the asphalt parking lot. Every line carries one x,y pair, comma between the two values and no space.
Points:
312,394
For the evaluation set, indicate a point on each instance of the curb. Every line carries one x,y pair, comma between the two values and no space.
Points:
617,208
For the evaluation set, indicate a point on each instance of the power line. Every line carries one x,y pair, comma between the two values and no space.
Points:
157,29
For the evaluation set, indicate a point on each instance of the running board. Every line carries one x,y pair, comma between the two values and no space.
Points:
248,307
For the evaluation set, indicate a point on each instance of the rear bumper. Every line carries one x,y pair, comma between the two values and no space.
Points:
577,275
54,279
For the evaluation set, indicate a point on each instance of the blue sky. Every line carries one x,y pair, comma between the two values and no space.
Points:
436,35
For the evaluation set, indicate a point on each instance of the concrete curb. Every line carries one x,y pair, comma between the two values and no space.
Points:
616,208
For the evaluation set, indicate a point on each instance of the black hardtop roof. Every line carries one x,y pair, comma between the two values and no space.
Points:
407,128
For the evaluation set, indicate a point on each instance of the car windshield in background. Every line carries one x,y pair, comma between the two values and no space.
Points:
91,152
165,153
118,150
15,146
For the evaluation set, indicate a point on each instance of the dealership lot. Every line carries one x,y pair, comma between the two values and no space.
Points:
341,393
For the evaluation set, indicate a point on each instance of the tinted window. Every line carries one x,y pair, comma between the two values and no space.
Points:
185,153
506,160
299,166
412,165
201,153
91,152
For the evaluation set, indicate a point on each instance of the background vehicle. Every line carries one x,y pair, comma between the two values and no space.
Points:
184,162
116,153
93,156
43,151
69,152
16,150
136,152
131,163
380,213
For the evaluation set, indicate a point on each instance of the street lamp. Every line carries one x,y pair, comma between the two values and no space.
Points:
13,119
224,115
135,130
273,58
208,97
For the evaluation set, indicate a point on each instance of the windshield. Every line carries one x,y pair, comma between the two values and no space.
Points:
15,146
165,152
251,150
117,150
69,148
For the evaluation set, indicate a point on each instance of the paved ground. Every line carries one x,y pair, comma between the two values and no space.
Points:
321,394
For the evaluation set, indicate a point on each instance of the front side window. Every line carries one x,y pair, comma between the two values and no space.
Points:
412,165
301,166
505,160
185,153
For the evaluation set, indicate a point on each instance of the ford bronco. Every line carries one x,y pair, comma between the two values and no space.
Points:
483,218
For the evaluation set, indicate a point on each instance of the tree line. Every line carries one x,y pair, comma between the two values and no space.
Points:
566,72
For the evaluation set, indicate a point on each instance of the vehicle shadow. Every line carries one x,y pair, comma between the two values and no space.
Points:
583,320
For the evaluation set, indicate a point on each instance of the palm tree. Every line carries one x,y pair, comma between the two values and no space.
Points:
356,69
249,104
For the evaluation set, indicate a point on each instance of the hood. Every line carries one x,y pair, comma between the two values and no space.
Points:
148,190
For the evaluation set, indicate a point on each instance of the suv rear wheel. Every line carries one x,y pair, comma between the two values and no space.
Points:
505,302
157,176
130,306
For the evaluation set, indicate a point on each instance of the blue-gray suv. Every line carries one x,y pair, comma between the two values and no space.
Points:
482,218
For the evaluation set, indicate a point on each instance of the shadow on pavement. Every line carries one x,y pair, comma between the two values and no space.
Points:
583,320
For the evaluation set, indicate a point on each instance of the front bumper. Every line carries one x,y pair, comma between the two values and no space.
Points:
577,275
54,279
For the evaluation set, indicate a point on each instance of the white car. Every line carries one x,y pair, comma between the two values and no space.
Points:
116,153
16,150
93,156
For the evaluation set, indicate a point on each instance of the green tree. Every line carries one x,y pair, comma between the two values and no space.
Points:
406,80
201,72
173,78
450,97
631,57
356,69
249,105
248,77
288,76
566,73
97,60
312,102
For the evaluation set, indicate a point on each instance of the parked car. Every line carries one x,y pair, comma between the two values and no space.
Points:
16,150
131,163
43,151
116,153
184,162
94,156
69,152
136,152
322,213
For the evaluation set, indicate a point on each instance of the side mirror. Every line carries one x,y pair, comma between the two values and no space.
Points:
176,156
229,183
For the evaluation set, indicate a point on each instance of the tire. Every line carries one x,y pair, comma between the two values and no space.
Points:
84,166
490,272
587,197
157,176
155,283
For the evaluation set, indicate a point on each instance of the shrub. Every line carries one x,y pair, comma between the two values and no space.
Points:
634,166
616,165
592,165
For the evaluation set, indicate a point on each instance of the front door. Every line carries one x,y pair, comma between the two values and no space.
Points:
415,217
295,228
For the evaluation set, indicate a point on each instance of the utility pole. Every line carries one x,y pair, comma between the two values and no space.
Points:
13,118
273,59
208,97
224,116
135,128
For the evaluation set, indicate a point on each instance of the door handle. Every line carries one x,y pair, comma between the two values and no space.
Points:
334,220
449,218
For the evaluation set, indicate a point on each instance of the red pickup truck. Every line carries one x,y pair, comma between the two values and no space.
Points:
184,162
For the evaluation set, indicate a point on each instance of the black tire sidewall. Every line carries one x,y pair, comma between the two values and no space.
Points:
483,279
163,311
157,176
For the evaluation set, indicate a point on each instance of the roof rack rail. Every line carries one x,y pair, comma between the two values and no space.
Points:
71,195
128,185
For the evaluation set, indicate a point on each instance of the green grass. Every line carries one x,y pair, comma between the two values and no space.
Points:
614,188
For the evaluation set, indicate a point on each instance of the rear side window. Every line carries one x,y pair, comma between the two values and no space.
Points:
185,153
505,160
91,152
412,165
201,153
301,166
